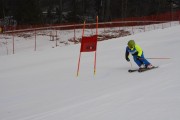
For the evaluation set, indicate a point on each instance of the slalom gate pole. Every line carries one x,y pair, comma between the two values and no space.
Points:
95,64
95,51
78,64
80,51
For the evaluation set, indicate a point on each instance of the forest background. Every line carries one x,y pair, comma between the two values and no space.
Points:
25,12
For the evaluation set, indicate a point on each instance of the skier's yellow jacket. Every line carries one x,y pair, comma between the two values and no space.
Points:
137,50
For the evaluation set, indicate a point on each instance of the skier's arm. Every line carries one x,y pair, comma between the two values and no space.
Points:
127,55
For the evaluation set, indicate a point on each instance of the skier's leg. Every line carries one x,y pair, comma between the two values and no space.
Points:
138,62
145,61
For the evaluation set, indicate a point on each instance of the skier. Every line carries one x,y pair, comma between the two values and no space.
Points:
137,54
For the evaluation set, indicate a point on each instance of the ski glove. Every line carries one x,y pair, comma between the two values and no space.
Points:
127,59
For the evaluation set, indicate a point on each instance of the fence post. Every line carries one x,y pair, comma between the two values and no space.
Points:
7,47
144,28
74,32
132,30
50,35
170,23
13,40
153,26
56,38
104,27
35,40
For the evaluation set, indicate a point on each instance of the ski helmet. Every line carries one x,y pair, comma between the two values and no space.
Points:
131,44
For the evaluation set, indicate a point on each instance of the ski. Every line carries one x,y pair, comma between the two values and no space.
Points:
146,69
141,70
130,71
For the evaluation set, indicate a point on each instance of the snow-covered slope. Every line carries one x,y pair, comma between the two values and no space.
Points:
43,85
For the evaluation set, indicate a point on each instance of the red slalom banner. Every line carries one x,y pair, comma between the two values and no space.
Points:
88,44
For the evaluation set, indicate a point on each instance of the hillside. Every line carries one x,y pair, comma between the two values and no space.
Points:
43,85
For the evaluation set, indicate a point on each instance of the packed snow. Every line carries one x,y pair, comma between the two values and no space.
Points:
43,85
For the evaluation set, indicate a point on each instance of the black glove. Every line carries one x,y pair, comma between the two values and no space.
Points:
127,59
126,56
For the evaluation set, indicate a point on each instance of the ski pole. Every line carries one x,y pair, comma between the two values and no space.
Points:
130,63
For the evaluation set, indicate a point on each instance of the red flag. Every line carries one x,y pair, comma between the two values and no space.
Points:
89,44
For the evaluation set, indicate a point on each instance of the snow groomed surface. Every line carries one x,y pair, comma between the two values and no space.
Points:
43,85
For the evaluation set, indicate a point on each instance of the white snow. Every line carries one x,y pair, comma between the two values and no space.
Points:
42,85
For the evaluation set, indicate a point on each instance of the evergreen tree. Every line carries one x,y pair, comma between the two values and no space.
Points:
30,11
27,11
